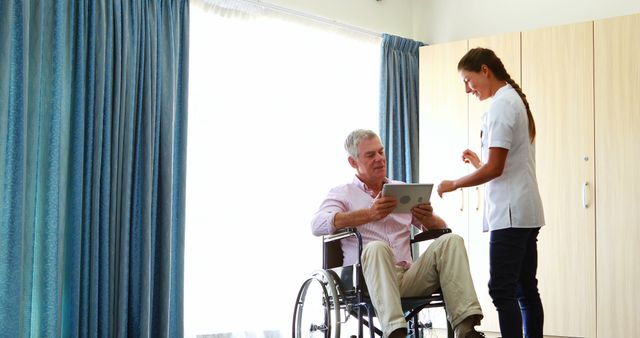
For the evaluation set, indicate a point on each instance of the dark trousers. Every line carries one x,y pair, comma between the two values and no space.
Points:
513,285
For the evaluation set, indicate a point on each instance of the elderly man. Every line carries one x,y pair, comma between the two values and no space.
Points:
387,265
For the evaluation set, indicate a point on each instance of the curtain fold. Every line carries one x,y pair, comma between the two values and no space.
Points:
399,128
93,117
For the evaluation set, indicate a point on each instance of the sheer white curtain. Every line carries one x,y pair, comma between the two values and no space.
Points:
271,99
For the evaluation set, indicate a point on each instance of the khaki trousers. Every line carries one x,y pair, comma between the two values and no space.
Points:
444,265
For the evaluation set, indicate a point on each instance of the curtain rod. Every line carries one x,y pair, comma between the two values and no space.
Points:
304,15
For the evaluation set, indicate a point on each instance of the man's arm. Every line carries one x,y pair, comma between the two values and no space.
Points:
381,207
349,219
332,215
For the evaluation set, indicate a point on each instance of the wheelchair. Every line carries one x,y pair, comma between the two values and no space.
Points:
342,294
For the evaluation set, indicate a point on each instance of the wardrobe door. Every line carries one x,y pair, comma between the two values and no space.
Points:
443,134
557,78
443,128
507,47
617,120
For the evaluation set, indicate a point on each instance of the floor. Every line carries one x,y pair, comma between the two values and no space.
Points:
438,333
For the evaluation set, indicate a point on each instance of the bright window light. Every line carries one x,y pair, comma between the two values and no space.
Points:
270,103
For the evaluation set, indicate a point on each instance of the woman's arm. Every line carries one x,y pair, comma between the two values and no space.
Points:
485,173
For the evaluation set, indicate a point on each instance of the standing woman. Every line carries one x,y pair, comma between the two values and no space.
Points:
512,208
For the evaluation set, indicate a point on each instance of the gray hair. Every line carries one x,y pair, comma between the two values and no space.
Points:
354,138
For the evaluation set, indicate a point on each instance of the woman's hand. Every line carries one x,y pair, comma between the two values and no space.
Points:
469,156
446,186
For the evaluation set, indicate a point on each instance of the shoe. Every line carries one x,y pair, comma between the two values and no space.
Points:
399,333
466,328
474,334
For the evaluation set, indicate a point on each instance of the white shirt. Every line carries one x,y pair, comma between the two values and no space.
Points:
511,200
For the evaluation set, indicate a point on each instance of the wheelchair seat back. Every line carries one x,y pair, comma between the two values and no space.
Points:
333,260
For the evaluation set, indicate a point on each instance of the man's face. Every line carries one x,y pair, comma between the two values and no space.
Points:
371,163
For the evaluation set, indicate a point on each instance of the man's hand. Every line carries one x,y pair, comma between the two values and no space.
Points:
381,207
424,213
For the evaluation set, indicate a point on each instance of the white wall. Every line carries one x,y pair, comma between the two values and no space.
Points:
436,21
385,16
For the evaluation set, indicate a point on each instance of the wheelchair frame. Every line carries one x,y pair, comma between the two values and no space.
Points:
344,291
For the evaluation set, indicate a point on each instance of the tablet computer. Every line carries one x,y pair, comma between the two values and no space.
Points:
408,195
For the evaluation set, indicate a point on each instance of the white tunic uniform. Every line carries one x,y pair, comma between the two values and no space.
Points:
511,200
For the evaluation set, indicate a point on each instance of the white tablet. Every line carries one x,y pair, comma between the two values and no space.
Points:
408,195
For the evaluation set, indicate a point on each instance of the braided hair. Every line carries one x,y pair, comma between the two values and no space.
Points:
473,61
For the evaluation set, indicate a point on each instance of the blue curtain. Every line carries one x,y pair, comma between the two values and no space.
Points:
93,113
399,106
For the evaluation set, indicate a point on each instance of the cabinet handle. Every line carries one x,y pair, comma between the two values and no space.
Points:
585,199
478,198
461,199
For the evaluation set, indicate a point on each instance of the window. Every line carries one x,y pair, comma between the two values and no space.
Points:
271,99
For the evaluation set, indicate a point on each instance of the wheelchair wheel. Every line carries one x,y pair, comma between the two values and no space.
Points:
317,309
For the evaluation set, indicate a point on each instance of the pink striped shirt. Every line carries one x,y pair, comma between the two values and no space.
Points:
393,229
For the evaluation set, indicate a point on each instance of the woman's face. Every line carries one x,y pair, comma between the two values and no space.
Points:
477,83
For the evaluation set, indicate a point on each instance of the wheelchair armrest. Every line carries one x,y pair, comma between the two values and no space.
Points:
340,234
332,255
430,234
